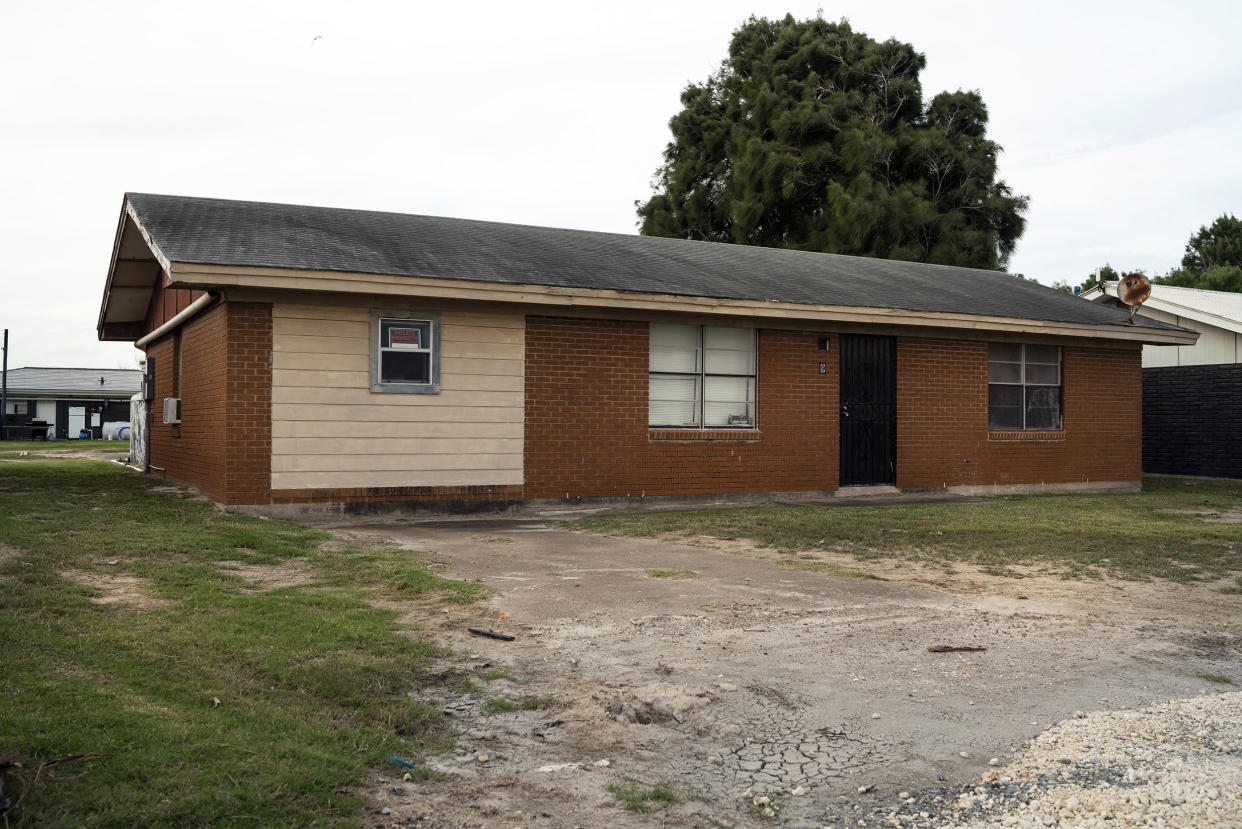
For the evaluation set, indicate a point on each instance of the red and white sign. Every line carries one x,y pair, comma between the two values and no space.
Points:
405,338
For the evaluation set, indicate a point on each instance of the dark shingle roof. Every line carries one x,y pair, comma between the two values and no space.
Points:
256,234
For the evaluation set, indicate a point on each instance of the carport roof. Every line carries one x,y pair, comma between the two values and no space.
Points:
73,382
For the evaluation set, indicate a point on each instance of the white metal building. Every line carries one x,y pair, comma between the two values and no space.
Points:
1216,315
72,400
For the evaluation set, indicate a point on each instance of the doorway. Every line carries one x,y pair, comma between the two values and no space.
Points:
77,421
868,410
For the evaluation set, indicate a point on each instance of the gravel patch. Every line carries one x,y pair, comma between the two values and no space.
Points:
1175,764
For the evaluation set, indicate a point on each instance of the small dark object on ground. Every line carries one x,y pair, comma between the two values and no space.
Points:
954,649
402,762
6,804
541,730
491,634
7,763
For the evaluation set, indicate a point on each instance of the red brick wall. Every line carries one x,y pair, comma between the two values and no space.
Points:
249,429
586,431
942,419
195,451
223,444
586,419
587,435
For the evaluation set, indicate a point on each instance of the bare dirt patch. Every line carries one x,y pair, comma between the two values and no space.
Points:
187,492
1210,516
270,576
427,613
116,588
7,553
92,454
795,685
1040,588
342,540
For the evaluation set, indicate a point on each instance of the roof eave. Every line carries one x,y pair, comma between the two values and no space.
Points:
1168,306
84,393
222,277
125,331
1195,314
1093,292
116,252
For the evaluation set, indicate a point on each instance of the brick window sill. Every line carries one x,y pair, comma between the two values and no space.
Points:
1052,435
708,435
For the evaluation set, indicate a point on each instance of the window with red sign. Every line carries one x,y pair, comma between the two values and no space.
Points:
405,358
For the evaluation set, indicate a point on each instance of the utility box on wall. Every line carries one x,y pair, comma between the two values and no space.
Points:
148,381
172,410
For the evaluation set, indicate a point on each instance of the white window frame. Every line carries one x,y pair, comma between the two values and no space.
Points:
702,375
378,385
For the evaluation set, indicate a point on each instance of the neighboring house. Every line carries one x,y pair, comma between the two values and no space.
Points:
1192,394
356,358
1216,315
70,400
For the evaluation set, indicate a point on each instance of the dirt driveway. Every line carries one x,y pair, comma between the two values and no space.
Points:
713,673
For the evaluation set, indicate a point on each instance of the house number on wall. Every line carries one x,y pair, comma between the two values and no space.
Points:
823,368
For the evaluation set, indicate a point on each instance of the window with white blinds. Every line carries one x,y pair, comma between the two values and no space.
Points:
701,376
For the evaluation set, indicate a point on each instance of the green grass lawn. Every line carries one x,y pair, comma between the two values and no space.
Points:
1160,532
64,446
312,681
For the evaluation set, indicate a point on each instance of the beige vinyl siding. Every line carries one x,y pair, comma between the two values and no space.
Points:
366,429
329,430
345,382
344,413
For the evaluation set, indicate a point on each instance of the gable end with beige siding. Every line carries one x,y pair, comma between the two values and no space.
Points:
330,431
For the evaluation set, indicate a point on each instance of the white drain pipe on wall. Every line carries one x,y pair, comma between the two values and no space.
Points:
180,317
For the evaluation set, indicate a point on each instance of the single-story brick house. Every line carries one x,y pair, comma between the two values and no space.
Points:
327,356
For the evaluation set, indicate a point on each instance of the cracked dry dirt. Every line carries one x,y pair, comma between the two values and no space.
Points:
801,686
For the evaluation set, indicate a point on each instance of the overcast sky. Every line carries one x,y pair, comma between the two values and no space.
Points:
1121,121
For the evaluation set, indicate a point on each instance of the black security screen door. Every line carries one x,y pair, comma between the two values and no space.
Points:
868,410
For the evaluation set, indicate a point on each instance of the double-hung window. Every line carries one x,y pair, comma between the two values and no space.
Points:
1024,386
701,376
405,352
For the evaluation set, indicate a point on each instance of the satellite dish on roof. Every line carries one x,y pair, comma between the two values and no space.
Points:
1133,289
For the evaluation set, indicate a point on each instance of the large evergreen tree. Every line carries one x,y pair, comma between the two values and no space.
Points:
1213,258
1215,245
816,137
